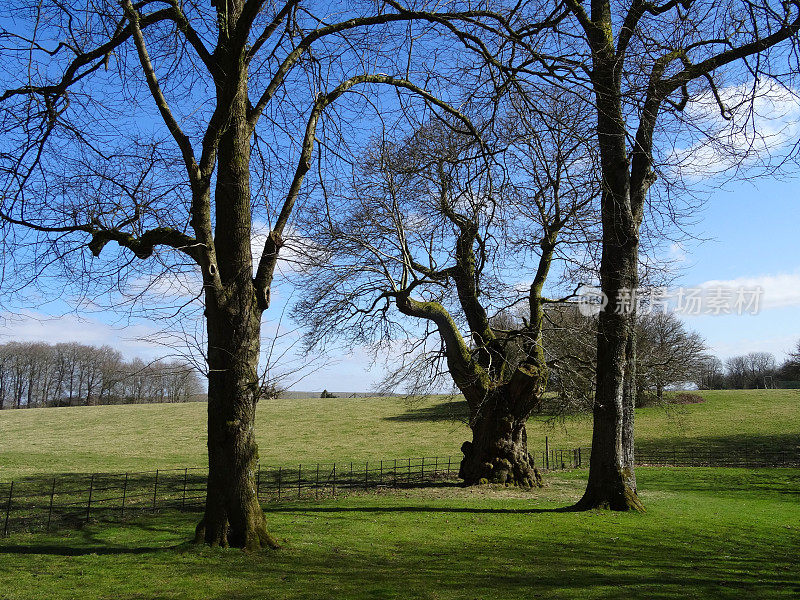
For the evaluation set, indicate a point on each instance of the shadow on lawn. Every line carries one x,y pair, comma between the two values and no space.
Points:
421,509
455,410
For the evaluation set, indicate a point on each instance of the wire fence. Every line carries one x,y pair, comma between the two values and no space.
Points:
45,503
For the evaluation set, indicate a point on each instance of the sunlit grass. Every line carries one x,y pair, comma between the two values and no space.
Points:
146,437
708,533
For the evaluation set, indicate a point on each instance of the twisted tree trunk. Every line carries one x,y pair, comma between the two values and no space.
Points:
498,452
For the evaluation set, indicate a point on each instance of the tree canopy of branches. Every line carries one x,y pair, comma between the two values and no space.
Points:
436,225
168,127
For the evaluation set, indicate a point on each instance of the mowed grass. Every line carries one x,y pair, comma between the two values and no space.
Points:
708,533
147,437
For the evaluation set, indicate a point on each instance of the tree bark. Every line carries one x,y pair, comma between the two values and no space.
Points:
233,516
629,406
498,452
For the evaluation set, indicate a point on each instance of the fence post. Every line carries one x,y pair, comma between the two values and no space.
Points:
408,480
333,491
547,453
89,503
124,494
316,484
448,465
155,491
435,466
380,483
366,474
395,473
422,471
185,479
299,478
352,481
580,458
8,508
280,473
50,507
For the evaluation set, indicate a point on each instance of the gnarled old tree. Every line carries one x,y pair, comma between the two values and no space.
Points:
649,64
167,127
439,227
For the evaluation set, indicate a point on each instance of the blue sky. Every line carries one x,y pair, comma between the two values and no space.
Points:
753,231
749,231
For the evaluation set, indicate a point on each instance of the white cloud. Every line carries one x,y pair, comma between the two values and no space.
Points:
754,132
778,291
32,326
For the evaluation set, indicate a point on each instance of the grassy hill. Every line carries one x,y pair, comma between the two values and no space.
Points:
146,437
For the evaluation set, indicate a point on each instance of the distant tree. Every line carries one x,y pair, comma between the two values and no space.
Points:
790,369
748,371
710,374
667,353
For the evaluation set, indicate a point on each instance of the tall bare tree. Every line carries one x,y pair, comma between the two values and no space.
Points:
167,127
645,63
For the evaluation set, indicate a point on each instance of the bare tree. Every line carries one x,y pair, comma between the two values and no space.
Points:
710,373
84,163
434,228
667,353
645,63
748,371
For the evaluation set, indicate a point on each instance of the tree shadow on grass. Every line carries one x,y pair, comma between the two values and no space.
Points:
455,410
87,541
420,509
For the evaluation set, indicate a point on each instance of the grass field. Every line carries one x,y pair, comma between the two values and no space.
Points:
708,533
146,437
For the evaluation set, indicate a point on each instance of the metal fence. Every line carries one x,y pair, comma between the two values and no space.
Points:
42,503
45,503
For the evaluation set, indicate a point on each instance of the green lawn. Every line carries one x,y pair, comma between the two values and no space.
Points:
146,437
708,533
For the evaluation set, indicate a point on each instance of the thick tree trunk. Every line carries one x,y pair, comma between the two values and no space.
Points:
233,516
609,476
498,452
609,472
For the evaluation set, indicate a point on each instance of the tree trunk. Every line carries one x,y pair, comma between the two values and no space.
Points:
629,406
609,474
233,516
498,452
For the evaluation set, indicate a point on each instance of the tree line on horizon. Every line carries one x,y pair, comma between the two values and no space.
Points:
36,374
753,370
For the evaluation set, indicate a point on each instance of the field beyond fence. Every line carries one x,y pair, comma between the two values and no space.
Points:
45,503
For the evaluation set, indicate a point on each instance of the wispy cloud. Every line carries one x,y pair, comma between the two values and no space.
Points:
778,291
754,132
